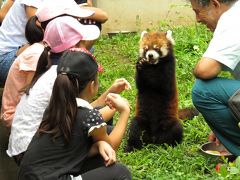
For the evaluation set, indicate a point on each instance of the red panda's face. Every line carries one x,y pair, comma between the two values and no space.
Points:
154,46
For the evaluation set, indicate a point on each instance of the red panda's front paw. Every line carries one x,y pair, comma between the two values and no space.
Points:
141,62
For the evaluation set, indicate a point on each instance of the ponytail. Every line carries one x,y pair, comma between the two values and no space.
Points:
42,66
75,71
59,117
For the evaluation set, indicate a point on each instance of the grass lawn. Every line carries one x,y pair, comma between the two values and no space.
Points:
118,56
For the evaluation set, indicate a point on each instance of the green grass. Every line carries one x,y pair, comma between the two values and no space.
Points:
118,56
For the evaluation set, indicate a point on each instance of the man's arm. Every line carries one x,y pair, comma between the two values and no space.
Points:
90,2
30,11
207,68
99,15
5,8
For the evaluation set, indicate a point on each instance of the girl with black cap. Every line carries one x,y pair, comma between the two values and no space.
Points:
72,130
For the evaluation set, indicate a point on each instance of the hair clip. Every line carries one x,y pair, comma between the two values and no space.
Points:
100,68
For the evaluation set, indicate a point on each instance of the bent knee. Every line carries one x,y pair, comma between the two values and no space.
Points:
198,90
122,171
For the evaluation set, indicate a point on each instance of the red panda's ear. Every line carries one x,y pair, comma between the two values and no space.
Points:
142,34
169,37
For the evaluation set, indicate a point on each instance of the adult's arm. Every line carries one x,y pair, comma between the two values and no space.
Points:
99,15
30,11
5,8
207,68
90,2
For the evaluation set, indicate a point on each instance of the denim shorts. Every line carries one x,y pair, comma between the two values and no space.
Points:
6,61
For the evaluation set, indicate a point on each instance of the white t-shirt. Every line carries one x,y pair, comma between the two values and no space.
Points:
29,112
12,30
225,44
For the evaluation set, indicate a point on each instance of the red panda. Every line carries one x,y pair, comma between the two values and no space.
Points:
156,120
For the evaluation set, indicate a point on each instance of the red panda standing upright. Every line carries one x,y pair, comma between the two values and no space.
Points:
156,120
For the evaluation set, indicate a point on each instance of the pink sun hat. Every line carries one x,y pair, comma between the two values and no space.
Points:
53,8
65,32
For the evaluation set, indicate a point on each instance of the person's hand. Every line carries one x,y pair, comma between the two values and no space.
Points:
119,85
115,101
213,138
107,152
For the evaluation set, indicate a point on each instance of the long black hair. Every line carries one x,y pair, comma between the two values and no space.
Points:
33,32
75,71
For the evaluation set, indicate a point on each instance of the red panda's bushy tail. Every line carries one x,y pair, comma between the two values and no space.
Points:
187,113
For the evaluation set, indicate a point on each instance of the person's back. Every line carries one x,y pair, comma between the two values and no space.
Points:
30,108
18,78
13,29
68,158
22,71
12,33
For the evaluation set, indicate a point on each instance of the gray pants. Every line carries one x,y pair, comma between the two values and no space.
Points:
114,172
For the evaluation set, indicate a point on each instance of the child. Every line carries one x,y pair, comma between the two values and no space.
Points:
21,72
71,126
61,34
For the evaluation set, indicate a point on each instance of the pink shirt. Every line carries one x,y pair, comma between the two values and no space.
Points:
17,80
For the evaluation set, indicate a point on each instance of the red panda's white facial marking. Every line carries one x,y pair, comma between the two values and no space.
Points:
164,50
153,55
169,37
155,46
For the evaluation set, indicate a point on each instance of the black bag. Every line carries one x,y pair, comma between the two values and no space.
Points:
234,104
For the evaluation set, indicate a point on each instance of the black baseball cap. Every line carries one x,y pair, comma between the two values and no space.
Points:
78,62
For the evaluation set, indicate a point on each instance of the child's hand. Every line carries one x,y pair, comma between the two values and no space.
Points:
107,152
119,85
115,101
